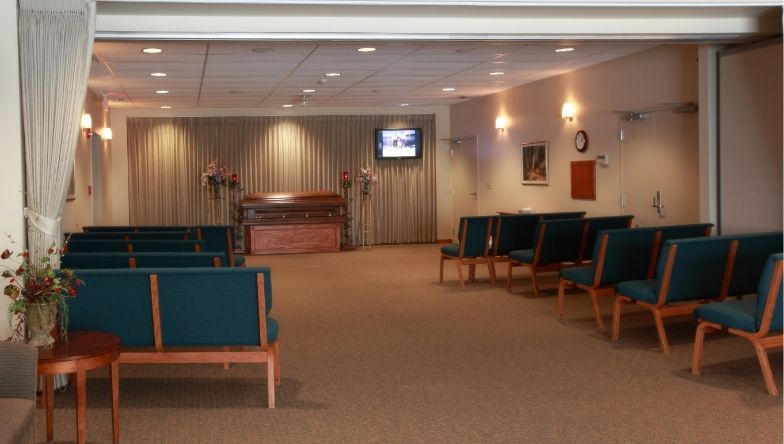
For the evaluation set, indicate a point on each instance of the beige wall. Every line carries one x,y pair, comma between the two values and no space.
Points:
116,173
750,140
666,143
11,180
79,212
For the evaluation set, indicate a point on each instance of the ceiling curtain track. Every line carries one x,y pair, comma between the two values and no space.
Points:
279,154
55,48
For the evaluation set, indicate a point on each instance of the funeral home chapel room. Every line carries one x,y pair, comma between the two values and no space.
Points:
397,221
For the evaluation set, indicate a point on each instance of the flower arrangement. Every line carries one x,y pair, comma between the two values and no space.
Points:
31,285
215,174
365,178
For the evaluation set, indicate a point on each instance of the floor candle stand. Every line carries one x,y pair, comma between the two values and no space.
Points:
367,221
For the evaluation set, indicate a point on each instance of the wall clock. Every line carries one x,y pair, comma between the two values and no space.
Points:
581,141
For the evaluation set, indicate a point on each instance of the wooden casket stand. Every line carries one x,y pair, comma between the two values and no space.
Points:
301,222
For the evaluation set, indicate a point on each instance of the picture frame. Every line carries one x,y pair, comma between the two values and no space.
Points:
71,195
536,163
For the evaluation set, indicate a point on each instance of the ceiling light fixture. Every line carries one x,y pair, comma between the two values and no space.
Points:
162,91
308,91
158,74
368,49
448,88
497,73
404,104
332,74
166,107
564,50
288,105
152,50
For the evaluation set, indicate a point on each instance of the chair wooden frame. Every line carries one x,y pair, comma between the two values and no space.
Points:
460,260
594,290
266,354
761,340
534,266
661,309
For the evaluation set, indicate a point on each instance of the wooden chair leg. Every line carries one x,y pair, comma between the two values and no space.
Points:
767,374
441,269
276,353
460,273
534,283
659,319
559,300
271,380
491,270
471,272
596,312
616,321
699,343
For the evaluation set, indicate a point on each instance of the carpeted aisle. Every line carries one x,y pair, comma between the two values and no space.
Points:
373,349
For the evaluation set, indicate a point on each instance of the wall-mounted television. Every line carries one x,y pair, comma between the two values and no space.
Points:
398,143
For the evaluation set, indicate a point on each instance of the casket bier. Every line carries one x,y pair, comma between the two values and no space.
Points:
300,222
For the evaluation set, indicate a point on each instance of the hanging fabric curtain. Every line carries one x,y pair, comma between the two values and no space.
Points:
55,48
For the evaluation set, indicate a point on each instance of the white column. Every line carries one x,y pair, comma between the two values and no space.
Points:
708,102
11,179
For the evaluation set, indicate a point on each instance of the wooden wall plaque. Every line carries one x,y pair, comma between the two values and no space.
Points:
584,179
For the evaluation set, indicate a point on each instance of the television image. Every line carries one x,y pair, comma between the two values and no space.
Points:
399,143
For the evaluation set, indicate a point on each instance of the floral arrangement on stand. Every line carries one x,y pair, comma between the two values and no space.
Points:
215,176
365,179
38,291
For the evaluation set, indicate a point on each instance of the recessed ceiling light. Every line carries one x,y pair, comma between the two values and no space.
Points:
158,74
162,91
263,49
308,91
448,88
288,105
368,49
499,62
404,104
152,50
497,73
564,50
332,74
166,107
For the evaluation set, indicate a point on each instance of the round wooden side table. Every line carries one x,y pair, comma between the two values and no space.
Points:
84,351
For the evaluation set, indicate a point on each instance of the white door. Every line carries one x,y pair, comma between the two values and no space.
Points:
465,197
660,178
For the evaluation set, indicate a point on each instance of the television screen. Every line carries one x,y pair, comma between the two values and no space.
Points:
402,143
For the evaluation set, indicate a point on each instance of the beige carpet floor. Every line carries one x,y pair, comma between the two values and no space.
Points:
374,349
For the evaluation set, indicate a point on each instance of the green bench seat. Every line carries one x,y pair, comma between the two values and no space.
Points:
142,245
127,235
143,260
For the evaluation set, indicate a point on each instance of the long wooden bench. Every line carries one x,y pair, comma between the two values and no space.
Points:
183,315
621,255
559,243
691,272
128,235
120,245
143,260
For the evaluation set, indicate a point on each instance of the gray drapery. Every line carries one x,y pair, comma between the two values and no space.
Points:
279,154
55,48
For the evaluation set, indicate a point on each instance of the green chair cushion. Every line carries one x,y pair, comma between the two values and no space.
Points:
732,314
272,330
640,290
765,283
579,275
522,256
452,250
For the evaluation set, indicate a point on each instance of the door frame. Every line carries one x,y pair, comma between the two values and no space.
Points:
454,141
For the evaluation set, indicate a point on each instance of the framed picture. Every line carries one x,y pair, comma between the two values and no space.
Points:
536,167
72,185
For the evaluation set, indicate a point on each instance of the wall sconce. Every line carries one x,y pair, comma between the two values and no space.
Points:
87,125
106,133
567,111
500,123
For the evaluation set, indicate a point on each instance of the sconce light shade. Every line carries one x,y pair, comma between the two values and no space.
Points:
567,111
87,121
500,123
106,133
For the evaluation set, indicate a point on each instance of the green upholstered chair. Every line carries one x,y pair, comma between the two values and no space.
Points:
473,248
621,255
595,224
757,319
694,271
556,242
511,232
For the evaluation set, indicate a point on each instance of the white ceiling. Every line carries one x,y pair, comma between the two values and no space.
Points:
230,74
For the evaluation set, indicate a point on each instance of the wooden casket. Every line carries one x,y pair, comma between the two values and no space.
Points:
300,222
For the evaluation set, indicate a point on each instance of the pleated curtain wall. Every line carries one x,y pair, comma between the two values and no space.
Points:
279,154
